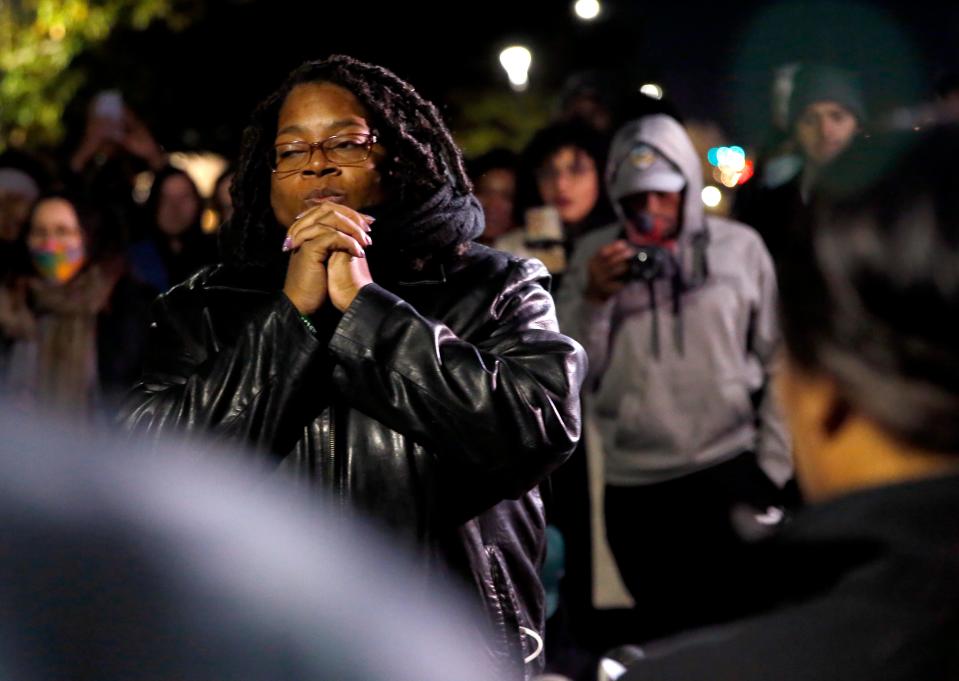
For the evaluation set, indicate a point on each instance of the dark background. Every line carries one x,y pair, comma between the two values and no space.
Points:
197,86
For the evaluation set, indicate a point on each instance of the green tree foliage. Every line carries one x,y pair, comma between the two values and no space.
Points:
481,120
39,40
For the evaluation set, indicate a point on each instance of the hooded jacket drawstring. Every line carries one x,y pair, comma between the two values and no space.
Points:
651,283
700,272
677,288
678,313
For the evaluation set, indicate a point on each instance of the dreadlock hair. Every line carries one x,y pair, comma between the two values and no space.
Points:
422,154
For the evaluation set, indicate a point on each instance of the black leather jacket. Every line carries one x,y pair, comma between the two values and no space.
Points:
436,406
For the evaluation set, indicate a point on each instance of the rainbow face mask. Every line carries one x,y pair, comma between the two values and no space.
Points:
55,262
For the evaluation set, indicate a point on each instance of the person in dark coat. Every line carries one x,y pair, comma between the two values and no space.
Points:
827,111
356,334
174,245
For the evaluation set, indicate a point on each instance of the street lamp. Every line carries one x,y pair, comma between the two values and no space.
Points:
711,195
652,90
516,61
587,10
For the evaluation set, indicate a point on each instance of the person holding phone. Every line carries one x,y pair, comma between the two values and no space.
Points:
112,129
116,145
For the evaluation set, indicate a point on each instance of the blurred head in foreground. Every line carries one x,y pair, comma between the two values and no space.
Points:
115,566
871,384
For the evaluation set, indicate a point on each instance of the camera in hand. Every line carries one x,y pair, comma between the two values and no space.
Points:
649,263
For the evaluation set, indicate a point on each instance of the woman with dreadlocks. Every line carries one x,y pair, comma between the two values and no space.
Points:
355,332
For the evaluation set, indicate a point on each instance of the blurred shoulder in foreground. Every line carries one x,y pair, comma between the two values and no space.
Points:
115,565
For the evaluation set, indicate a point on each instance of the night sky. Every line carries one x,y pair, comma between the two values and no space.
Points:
197,87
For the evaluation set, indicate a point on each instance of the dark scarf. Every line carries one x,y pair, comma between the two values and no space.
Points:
406,236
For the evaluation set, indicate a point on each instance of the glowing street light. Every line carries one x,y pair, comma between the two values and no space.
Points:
516,61
652,90
712,197
587,10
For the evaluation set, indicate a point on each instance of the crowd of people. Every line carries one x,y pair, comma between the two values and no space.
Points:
427,339
83,260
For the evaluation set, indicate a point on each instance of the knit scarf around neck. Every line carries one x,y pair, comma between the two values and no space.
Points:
405,236
53,357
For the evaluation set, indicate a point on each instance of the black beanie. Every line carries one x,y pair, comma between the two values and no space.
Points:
826,84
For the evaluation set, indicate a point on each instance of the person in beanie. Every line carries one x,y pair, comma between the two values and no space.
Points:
356,333
676,311
826,111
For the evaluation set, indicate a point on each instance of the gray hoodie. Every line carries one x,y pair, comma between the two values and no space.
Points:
680,370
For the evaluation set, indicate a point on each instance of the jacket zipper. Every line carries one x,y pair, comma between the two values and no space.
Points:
332,442
339,467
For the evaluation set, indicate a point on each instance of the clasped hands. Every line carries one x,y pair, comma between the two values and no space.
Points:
328,242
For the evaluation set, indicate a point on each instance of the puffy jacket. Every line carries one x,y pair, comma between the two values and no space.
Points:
435,404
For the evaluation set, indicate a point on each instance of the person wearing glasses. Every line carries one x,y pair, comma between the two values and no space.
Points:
356,334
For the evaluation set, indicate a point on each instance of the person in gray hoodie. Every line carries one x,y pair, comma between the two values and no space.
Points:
677,312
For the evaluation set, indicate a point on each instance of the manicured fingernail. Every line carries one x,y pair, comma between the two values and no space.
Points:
287,243
369,240
360,253
369,218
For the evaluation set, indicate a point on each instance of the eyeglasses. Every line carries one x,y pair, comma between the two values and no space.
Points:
349,149
578,168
